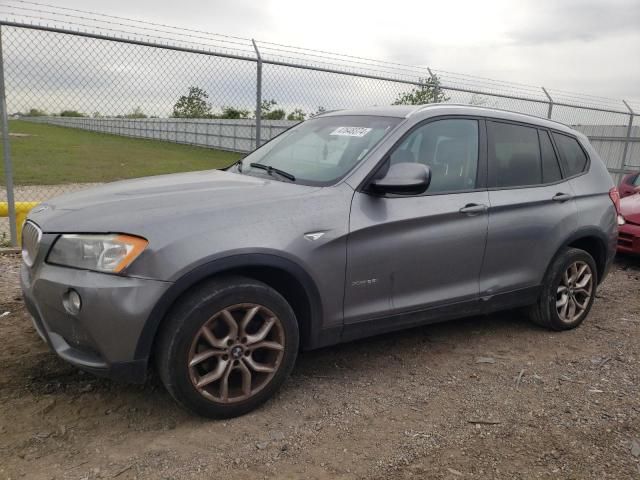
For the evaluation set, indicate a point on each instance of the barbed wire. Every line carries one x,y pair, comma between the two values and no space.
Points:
123,28
246,43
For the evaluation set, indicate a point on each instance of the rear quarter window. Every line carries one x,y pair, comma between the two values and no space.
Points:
572,157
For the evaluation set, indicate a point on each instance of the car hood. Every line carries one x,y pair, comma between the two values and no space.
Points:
133,206
630,208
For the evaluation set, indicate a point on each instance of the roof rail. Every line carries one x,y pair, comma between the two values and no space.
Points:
480,107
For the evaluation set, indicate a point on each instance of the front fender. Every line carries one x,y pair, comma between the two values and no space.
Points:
226,264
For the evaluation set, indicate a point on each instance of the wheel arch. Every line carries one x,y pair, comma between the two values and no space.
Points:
282,274
592,241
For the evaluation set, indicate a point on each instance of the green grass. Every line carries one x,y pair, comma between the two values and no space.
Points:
53,155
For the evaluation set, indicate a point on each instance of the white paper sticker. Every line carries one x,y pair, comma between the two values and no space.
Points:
351,131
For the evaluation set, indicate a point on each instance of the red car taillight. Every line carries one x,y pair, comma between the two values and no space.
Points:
614,195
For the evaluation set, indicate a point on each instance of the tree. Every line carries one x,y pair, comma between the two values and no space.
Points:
277,114
429,91
71,113
136,113
268,114
193,105
36,112
233,113
265,108
297,115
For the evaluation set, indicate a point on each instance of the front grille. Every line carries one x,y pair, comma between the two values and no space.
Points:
31,236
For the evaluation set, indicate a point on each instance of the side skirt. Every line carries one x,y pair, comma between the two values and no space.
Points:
481,306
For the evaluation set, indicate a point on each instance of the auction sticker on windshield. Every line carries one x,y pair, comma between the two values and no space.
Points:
351,131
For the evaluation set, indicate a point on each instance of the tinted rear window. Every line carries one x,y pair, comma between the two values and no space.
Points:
573,158
514,155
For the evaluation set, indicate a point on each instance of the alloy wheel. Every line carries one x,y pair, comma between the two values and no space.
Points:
574,291
236,353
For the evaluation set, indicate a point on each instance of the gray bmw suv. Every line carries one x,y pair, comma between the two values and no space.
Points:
353,223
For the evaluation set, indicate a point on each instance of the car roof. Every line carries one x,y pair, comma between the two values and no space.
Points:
432,109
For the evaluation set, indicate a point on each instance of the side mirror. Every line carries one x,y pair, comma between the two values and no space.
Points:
403,178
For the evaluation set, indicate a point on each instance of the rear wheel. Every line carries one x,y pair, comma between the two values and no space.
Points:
568,291
227,347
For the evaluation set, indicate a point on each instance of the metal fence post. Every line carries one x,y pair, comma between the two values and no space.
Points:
258,93
550,102
628,138
6,150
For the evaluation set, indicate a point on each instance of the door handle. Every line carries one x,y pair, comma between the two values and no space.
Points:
561,197
474,209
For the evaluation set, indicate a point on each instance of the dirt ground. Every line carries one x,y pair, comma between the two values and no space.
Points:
486,397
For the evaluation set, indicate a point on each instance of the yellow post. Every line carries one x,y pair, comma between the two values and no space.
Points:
22,209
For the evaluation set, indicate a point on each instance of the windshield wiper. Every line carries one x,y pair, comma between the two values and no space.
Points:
270,170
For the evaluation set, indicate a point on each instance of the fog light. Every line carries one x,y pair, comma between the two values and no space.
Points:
72,302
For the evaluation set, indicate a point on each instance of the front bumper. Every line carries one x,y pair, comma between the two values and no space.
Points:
629,238
103,336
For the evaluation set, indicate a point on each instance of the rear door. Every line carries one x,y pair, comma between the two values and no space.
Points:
532,210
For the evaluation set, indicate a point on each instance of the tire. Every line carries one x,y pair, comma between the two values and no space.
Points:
198,350
550,311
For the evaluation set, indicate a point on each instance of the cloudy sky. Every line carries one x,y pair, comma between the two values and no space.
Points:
590,46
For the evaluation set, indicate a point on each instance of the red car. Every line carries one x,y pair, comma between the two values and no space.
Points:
630,184
629,233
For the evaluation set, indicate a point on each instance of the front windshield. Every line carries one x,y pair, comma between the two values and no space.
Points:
319,151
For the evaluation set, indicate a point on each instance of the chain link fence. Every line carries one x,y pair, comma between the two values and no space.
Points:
91,98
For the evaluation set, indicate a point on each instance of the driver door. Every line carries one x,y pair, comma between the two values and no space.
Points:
414,253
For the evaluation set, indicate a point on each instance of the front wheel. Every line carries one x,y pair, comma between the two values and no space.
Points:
568,291
227,347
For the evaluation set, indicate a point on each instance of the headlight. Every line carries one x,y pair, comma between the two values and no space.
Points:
102,253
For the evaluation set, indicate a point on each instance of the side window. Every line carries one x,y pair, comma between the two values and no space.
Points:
449,148
636,181
550,167
572,156
514,155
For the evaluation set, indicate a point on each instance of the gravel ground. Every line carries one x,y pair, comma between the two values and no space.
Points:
484,397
